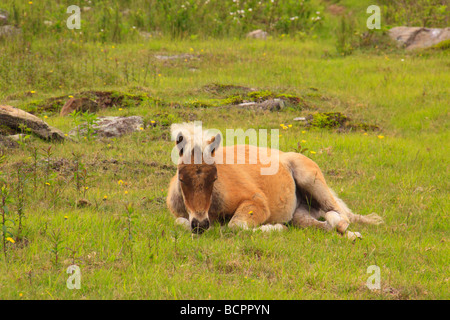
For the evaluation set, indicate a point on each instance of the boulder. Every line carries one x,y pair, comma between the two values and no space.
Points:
271,105
3,18
417,37
15,118
8,31
184,56
258,34
79,104
6,142
109,127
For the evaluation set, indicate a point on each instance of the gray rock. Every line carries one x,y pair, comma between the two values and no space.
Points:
108,127
9,31
271,104
17,137
176,57
7,142
258,34
15,118
418,38
3,18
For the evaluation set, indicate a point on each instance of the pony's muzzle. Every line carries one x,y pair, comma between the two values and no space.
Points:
199,226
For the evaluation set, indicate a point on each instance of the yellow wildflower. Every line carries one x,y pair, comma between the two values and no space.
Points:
303,141
10,240
290,125
120,182
380,137
312,152
66,217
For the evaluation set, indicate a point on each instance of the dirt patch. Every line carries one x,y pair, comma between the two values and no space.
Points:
103,100
336,9
247,98
226,89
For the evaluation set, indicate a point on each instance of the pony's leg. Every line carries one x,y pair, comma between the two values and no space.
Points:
309,178
249,214
183,222
304,217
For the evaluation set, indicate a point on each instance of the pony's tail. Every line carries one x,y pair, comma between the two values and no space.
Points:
372,218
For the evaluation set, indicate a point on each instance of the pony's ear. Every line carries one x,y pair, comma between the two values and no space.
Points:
180,142
214,144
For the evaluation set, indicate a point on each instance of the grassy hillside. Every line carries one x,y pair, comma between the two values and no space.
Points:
100,203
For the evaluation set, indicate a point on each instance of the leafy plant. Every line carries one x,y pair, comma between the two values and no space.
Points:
55,248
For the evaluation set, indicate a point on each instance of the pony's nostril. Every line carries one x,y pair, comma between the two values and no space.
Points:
199,227
194,224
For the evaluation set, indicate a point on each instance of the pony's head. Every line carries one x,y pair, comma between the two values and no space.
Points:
197,172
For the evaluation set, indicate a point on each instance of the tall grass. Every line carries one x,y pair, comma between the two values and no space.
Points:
118,21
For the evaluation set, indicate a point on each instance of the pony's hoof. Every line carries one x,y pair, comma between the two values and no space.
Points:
342,226
271,227
183,222
353,235
238,225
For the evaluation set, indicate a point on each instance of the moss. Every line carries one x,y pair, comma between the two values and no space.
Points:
235,99
443,45
52,105
259,96
329,120
211,103
337,120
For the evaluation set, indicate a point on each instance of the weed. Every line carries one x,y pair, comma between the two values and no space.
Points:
56,241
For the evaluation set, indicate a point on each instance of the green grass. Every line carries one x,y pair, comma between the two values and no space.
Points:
399,172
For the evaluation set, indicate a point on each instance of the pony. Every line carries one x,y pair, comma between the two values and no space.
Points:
204,191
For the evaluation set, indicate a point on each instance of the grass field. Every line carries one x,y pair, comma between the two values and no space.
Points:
400,171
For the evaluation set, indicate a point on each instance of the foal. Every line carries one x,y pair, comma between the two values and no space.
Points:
204,191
